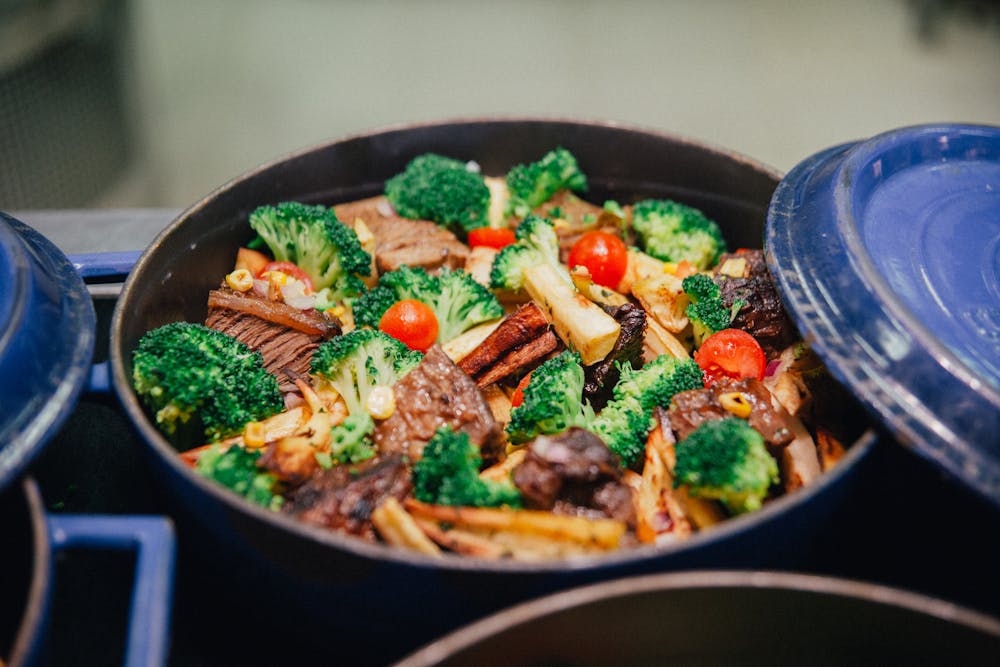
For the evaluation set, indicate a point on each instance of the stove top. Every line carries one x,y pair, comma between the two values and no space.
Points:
906,525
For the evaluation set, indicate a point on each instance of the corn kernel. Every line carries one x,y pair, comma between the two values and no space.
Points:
254,435
276,278
364,234
560,223
381,403
670,267
240,280
736,403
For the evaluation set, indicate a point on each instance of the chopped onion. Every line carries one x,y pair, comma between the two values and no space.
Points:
294,294
293,400
260,287
772,367
473,166
384,208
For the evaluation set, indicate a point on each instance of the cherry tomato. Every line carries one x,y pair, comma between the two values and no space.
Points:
289,269
491,237
604,255
518,396
731,353
412,322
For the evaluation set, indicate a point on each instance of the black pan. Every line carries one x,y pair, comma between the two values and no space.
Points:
322,584
722,618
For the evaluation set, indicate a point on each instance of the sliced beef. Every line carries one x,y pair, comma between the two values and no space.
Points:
574,473
343,498
763,316
689,409
437,393
602,377
399,241
286,337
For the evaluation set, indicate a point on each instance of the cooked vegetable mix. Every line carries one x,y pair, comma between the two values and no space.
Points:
492,366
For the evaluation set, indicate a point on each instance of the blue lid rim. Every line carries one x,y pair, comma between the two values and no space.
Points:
70,330
836,295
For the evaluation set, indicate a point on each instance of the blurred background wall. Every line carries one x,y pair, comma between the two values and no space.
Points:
108,103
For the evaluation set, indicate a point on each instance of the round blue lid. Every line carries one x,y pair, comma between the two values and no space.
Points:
887,253
46,342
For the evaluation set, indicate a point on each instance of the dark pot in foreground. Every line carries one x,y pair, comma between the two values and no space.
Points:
723,618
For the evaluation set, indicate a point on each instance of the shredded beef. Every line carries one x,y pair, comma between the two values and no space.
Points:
286,337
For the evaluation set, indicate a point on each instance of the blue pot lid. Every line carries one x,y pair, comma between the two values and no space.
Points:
887,253
47,329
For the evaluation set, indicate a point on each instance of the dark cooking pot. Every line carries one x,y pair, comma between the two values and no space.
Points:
723,618
46,342
327,585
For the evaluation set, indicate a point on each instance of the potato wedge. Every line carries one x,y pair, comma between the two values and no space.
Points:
602,533
579,322
399,529
664,299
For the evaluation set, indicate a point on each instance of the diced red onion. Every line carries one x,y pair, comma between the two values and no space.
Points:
293,400
772,367
260,287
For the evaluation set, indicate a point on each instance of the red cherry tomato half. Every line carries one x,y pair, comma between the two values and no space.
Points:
604,255
491,237
731,353
289,269
412,322
518,396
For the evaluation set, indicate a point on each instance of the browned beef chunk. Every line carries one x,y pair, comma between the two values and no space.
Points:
763,316
437,393
602,377
343,498
399,241
286,337
574,473
689,409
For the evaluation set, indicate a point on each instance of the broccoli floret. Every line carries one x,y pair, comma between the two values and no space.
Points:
707,312
434,187
357,362
458,301
626,421
726,459
553,400
462,304
536,243
236,468
531,185
201,383
448,474
314,239
674,232
350,440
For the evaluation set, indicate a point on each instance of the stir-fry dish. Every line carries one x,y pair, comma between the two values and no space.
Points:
493,366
